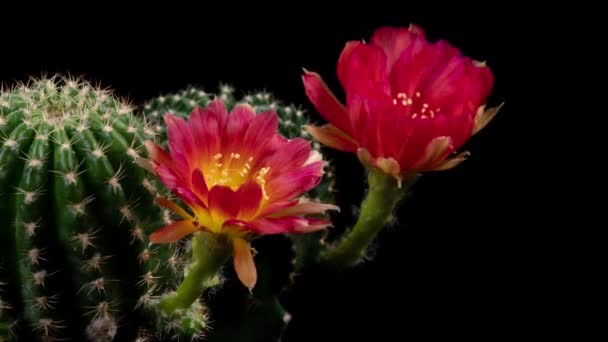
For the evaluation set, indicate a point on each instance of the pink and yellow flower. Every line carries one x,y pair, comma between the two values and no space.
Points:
239,177
409,103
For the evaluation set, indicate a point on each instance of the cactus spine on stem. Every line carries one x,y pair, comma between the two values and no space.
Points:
75,213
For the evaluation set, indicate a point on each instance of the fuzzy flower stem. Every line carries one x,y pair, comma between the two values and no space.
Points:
376,212
209,253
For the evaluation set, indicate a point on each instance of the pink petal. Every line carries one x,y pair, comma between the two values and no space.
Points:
305,208
394,40
331,136
173,232
276,206
180,140
168,176
249,196
261,131
291,154
313,225
325,101
157,154
238,121
279,225
288,224
243,263
294,183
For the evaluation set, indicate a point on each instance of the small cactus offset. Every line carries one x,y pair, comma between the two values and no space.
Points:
75,213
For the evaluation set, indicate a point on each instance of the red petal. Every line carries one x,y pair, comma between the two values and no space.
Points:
344,74
362,66
173,232
394,40
199,186
223,203
325,102
243,263
331,136
188,196
249,196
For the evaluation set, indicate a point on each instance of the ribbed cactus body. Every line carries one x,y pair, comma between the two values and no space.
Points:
75,212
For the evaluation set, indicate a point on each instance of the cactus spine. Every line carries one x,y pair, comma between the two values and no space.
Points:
75,212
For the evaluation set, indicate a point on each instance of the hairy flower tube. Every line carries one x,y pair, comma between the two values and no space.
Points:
410,104
240,179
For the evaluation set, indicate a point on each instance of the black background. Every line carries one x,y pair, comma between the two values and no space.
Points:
510,243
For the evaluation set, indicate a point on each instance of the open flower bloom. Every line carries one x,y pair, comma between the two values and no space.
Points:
409,103
239,177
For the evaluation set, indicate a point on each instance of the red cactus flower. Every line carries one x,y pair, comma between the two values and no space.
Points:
409,103
239,177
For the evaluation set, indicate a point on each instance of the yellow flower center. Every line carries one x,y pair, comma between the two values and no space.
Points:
233,170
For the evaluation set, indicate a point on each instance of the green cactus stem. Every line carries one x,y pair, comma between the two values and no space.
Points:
384,194
75,213
209,253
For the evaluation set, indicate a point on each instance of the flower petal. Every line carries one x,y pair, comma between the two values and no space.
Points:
261,131
325,102
243,263
313,225
292,154
305,208
157,154
294,183
394,40
278,225
452,162
331,136
436,151
173,232
237,124
484,116
361,66
173,206
180,141
199,186
223,203
249,196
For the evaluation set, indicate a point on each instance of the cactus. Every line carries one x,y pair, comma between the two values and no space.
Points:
239,315
75,213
